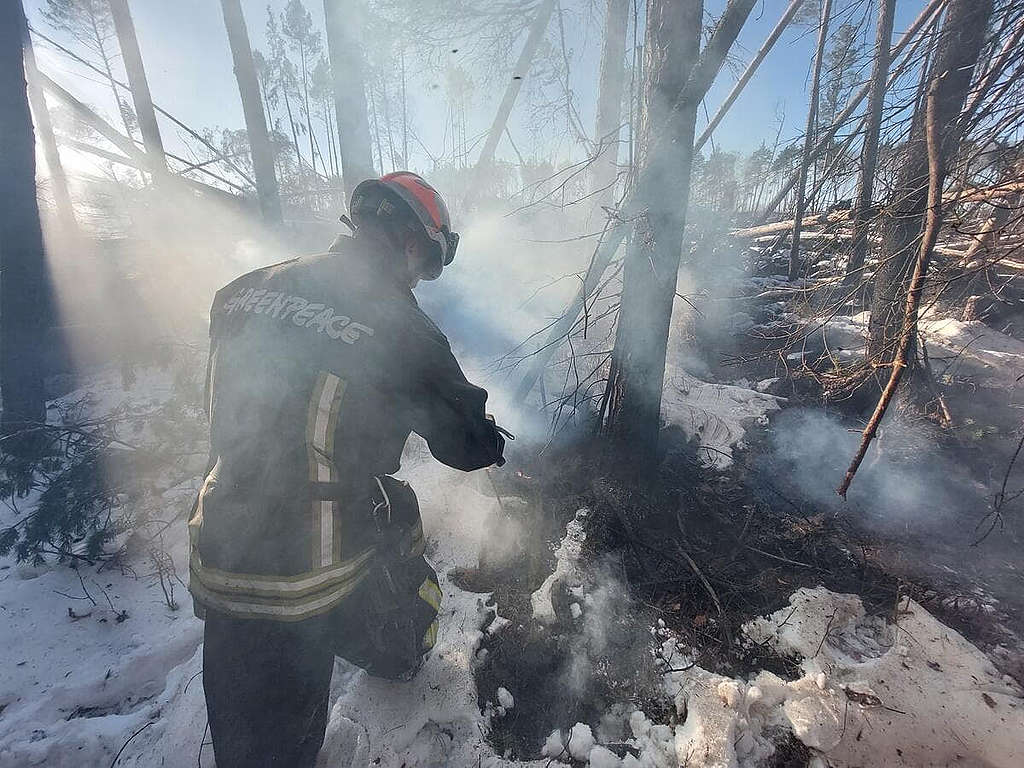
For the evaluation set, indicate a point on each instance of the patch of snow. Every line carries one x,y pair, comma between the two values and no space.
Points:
957,348
505,698
715,414
554,746
915,694
566,571
602,757
581,741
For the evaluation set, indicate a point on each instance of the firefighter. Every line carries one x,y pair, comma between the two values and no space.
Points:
303,546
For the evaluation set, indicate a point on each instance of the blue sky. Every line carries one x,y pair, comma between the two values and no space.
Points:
189,67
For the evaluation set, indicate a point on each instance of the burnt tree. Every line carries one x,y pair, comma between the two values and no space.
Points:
252,107
869,151
24,295
958,47
651,266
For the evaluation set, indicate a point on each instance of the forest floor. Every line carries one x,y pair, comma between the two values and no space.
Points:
740,614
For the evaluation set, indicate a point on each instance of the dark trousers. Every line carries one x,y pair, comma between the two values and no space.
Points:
267,685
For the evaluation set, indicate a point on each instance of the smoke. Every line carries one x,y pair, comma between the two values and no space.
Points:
903,481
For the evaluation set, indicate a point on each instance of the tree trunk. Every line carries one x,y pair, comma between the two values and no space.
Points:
869,151
692,93
24,293
305,106
812,121
515,83
139,85
651,267
959,44
344,30
252,107
609,102
44,127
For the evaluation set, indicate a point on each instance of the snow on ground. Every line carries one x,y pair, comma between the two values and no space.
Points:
956,348
715,414
916,693
74,690
566,571
871,695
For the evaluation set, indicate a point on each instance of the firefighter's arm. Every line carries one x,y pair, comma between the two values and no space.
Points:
447,410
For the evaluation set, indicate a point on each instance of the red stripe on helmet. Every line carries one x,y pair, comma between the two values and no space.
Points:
422,192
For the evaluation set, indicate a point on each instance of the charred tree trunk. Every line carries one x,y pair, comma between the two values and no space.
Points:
24,293
44,127
869,152
515,83
609,101
344,28
651,268
808,153
139,85
652,264
252,107
960,42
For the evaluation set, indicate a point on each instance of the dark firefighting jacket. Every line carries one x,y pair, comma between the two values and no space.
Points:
319,369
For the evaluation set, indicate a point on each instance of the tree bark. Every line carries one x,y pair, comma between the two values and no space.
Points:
651,268
139,85
44,127
515,83
24,290
609,102
252,107
959,44
344,29
869,151
812,121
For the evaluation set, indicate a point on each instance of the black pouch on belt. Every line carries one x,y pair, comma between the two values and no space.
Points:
403,595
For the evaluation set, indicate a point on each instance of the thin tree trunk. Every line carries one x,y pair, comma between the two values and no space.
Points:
376,131
609,101
344,29
252,107
132,58
24,293
651,269
812,121
295,132
386,104
305,107
101,46
769,43
44,127
869,151
935,159
515,83
405,115
851,106
960,41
